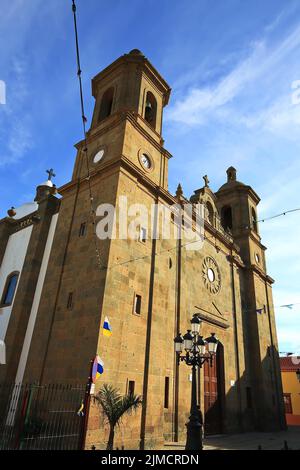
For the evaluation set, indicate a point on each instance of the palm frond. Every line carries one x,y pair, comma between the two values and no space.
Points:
114,405
128,404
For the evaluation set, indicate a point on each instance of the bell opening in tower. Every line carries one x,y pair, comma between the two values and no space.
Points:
106,104
226,217
150,109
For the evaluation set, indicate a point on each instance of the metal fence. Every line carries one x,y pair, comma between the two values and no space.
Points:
42,417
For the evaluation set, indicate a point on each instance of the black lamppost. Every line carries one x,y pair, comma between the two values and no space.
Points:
197,352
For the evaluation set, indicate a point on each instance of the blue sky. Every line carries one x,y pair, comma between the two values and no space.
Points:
231,65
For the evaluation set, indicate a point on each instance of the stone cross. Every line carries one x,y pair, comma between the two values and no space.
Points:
50,173
206,180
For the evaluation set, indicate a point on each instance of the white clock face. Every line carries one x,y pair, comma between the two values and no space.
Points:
99,155
146,162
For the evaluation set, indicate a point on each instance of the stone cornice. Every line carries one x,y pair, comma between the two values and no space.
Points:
15,225
248,233
145,66
263,275
236,260
240,188
9,221
212,319
158,191
114,120
202,191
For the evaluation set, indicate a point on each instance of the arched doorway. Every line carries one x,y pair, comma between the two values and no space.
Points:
214,394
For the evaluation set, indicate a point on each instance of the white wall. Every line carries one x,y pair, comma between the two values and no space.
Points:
13,260
36,301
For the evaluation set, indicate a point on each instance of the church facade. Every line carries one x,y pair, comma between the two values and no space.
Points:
59,280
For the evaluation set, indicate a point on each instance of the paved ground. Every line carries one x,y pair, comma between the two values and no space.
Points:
249,441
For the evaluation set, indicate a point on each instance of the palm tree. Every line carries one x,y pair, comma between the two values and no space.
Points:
114,406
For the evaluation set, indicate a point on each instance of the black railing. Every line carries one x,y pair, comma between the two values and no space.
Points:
41,417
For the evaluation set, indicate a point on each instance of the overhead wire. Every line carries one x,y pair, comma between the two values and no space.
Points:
278,215
85,148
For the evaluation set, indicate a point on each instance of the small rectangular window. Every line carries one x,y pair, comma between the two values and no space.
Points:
167,386
82,229
143,235
137,304
70,301
288,403
131,385
249,397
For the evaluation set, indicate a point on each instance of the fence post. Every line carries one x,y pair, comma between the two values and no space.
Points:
87,403
23,417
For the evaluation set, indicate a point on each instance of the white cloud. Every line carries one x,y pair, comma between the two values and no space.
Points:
15,132
289,340
16,62
198,105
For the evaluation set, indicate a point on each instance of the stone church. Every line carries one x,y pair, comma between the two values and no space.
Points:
58,281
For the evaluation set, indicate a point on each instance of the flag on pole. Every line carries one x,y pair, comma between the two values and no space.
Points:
106,329
80,412
98,368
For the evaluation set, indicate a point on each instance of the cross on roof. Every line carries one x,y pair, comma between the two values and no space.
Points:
206,181
51,174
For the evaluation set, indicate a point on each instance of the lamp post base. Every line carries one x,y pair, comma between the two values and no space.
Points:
194,436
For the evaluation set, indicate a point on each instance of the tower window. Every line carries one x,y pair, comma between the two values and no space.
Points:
106,104
70,301
9,289
254,220
131,386
143,235
82,229
210,212
167,387
150,109
226,217
137,304
287,403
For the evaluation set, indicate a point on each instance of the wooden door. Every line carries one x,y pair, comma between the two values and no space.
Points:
213,396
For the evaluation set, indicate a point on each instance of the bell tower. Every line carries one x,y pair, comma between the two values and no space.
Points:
122,155
237,204
127,120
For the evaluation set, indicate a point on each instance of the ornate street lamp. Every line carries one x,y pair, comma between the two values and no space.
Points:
197,352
